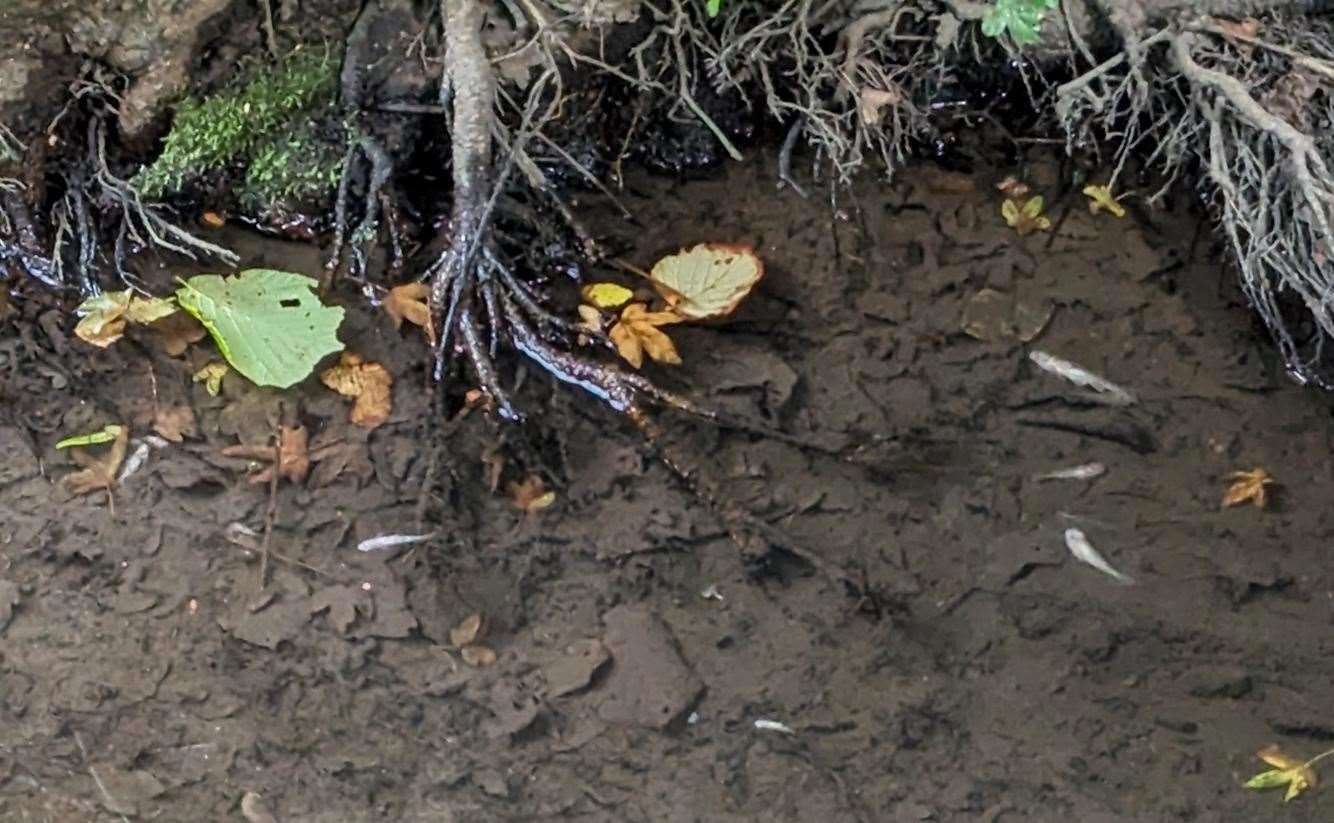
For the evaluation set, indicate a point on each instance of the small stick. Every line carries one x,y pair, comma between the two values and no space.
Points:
270,34
113,805
270,514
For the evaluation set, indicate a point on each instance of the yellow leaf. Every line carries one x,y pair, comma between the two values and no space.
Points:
1296,774
1027,218
103,320
410,302
606,295
1100,198
1248,487
637,333
531,495
707,281
368,383
145,310
106,434
211,376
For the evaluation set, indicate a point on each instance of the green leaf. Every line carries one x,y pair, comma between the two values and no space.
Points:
269,325
713,7
106,435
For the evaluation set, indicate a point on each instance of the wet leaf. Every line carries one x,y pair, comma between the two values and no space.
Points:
1101,199
177,331
466,632
269,325
606,295
637,333
1296,774
212,220
1247,487
102,318
410,302
99,473
293,456
211,376
105,316
1013,187
104,435
368,383
175,423
479,657
709,280
1027,218
531,494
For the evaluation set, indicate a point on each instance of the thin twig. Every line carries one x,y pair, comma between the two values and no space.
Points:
113,805
270,513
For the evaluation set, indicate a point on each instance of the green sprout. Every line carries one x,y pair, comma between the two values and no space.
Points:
1020,18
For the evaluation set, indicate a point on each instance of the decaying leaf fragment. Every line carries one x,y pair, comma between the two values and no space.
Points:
174,423
369,383
464,637
293,455
709,280
211,376
1101,199
410,302
1296,774
1247,487
177,331
637,333
104,316
531,494
99,473
1026,218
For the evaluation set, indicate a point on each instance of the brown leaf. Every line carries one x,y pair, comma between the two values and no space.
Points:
175,423
531,494
637,333
176,332
410,302
1247,487
466,632
479,657
293,456
98,473
369,383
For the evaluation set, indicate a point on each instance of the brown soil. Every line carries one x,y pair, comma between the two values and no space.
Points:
145,675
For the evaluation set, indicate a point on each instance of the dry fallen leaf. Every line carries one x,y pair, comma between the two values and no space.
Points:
1101,199
1297,775
98,473
466,632
104,316
211,376
1247,487
212,220
707,281
293,456
637,332
1013,187
479,657
368,383
531,494
175,423
1027,218
410,302
176,332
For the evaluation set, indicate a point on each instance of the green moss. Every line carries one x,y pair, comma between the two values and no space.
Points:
290,168
209,134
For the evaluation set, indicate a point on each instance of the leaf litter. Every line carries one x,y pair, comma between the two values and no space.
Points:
409,303
707,281
292,456
637,333
369,384
1248,487
98,473
1297,775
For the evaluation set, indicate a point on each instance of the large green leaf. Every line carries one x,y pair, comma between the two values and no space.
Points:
269,324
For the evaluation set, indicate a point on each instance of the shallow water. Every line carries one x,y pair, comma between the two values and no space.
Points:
1002,680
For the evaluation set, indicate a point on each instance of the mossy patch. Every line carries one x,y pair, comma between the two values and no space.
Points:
248,122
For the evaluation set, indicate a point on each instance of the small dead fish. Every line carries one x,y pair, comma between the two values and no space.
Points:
390,541
773,726
1086,471
1106,391
134,462
1084,552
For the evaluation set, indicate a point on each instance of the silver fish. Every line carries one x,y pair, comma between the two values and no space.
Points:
1086,471
1105,390
1084,552
391,541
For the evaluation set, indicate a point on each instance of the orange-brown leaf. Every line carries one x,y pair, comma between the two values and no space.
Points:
98,473
293,454
637,333
1247,487
176,332
531,494
410,302
369,383
175,423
